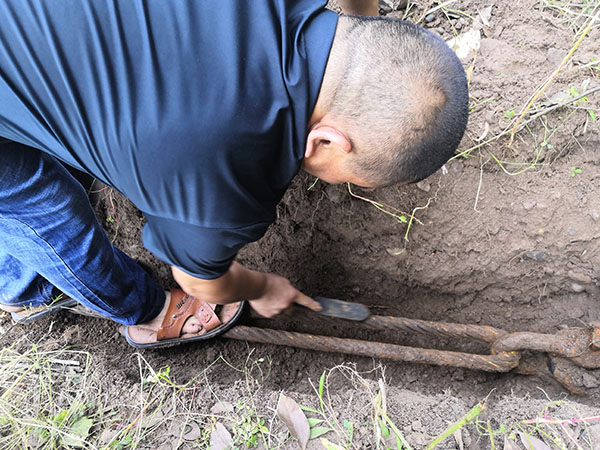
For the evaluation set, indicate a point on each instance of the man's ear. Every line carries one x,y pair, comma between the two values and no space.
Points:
326,136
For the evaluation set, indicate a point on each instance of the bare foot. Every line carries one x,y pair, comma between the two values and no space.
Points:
10,308
146,333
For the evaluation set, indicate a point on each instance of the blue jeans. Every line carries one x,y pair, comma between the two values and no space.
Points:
51,241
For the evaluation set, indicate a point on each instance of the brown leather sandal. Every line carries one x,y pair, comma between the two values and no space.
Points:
215,320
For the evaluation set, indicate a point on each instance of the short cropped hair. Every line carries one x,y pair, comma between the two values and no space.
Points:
402,99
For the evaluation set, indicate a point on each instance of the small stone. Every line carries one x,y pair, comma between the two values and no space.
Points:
579,277
416,425
386,6
535,256
494,229
571,230
590,381
577,287
221,407
458,375
530,204
429,17
595,215
356,289
424,185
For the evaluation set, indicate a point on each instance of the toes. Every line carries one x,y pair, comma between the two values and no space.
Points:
192,326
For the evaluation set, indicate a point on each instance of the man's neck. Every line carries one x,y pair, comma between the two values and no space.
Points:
334,71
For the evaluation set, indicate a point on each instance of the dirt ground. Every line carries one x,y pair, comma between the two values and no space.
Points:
505,236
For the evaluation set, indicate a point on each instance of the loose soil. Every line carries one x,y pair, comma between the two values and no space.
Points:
516,252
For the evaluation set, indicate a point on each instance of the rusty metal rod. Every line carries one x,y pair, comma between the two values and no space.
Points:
482,333
479,332
501,362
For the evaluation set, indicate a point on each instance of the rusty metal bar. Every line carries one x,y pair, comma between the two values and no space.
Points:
482,333
501,362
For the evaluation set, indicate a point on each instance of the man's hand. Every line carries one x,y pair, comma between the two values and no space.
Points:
269,294
360,7
279,295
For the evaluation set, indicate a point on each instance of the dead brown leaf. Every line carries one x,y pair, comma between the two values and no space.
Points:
290,413
220,438
532,443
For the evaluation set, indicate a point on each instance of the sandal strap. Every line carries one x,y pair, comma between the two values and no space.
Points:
181,308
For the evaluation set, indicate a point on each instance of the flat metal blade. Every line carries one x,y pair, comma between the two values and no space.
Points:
343,310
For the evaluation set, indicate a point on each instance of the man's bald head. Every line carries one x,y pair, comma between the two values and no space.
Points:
400,95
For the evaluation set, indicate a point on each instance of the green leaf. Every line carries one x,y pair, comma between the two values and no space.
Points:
82,426
349,428
321,385
385,431
80,429
60,417
312,422
319,431
309,409
330,445
592,115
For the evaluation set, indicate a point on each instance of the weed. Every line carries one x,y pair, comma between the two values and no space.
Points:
508,115
575,171
49,399
400,216
544,431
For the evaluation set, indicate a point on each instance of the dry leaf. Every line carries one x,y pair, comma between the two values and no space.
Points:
509,444
221,407
486,130
220,438
485,15
532,443
290,413
459,439
192,431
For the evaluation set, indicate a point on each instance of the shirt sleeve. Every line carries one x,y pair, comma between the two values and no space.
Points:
199,251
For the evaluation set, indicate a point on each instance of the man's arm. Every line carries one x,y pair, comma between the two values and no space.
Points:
269,294
360,7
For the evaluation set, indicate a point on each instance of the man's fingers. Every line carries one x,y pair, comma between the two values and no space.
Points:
305,300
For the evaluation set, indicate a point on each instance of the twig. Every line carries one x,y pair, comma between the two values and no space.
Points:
479,186
560,421
440,6
544,111
551,78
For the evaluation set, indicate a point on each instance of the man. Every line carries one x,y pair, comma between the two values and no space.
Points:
201,113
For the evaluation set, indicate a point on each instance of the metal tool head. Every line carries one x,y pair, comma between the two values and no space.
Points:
342,310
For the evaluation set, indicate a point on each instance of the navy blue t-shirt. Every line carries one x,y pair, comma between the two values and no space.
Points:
195,110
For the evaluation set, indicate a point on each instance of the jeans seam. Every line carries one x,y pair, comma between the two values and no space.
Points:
64,264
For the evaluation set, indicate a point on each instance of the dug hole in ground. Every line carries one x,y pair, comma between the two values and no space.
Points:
505,236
